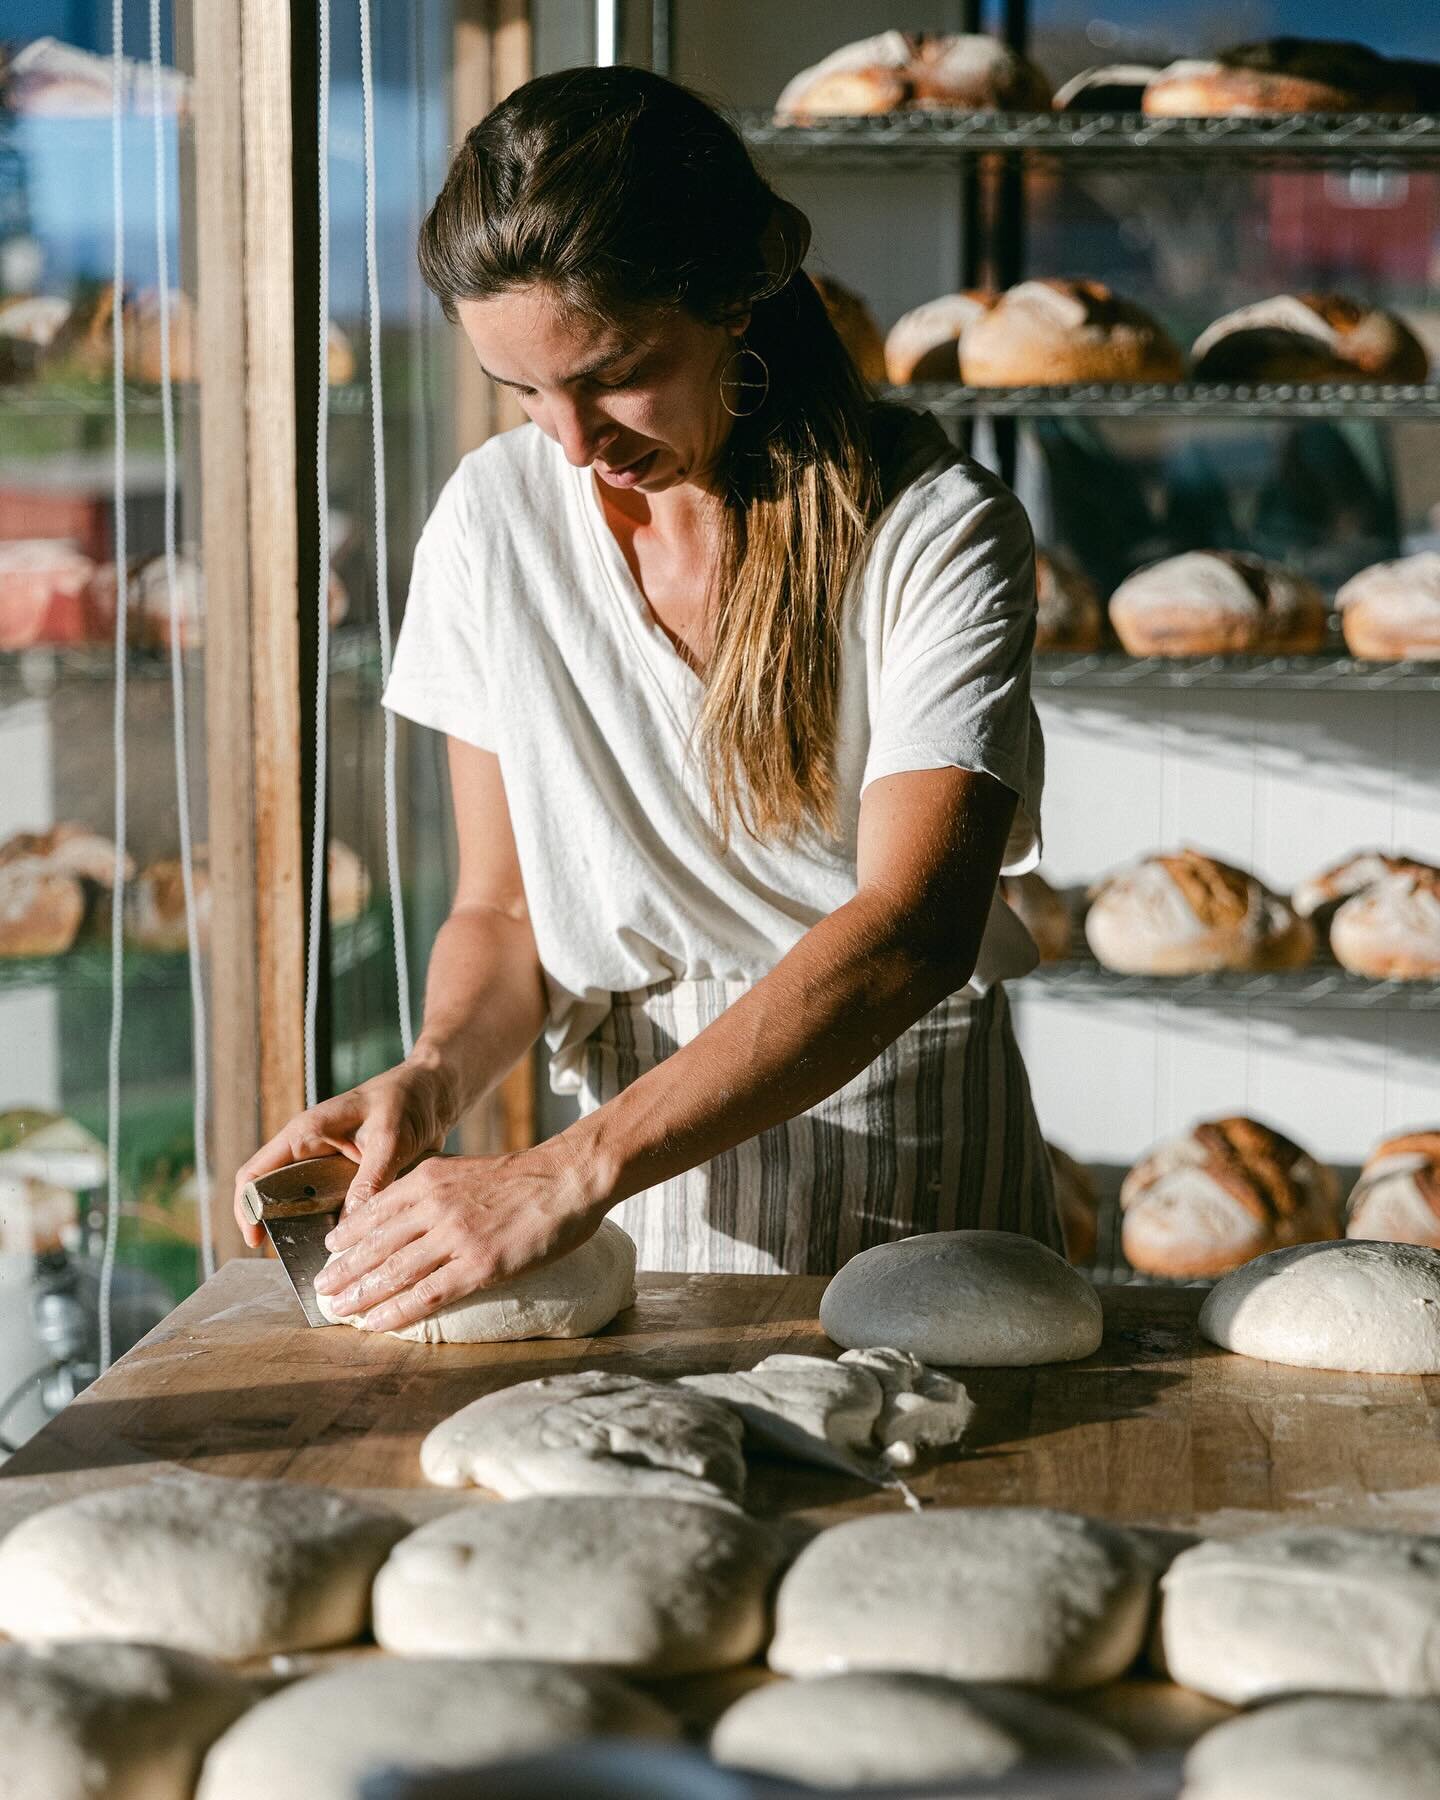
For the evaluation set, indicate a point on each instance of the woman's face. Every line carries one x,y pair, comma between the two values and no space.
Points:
643,406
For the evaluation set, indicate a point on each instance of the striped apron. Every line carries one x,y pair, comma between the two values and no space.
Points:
938,1133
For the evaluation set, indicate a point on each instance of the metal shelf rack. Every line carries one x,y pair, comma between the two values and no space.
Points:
1322,984
1180,399
1112,669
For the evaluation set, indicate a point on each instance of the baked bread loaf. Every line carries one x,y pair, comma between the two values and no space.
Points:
1070,614
924,343
1217,603
1077,1203
1320,897
1281,75
1397,1196
1051,333
41,910
855,326
155,905
45,594
1391,929
1189,914
1309,337
1042,912
896,69
1113,87
1225,1191
68,848
1391,610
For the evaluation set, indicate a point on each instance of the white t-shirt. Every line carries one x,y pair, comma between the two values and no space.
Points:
526,634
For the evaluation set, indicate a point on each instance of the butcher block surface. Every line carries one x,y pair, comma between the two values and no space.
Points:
1156,1427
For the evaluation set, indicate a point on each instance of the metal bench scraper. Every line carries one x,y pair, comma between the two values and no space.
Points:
297,1206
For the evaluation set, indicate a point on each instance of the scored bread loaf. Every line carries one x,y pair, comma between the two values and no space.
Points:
1309,337
1391,610
1187,913
1217,603
1053,333
1077,1203
68,848
855,326
1043,913
1070,616
898,69
1397,1196
41,909
1320,896
1390,930
924,343
1226,1190
1281,75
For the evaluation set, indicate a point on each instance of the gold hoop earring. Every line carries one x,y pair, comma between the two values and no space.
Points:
755,389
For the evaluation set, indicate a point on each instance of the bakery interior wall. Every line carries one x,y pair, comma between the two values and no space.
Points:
1280,782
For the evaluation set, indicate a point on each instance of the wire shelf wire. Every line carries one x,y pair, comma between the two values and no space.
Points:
1056,671
925,135
1323,984
1181,399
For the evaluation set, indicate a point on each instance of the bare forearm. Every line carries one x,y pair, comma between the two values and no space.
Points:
484,1002
825,1011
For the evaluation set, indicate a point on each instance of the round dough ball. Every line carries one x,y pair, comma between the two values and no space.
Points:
1326,1748
590,1433
103,1721
1005,1593
1318,1608
671,1587
974,1298
320,1738
1371,1307
225,1568
879,1728
574,1297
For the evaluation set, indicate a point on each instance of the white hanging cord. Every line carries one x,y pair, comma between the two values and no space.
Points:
322,650
198,1029
382,571
122,594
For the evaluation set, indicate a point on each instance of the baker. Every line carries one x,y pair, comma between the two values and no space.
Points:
733,668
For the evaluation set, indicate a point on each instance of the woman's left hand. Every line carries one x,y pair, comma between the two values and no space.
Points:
453,1225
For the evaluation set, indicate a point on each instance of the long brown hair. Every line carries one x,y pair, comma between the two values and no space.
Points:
622,193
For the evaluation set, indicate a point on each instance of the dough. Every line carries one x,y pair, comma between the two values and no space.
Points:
1003,1593
1328,1748
803,1406
574,1297
669,1587
590,1433
103,1721
1305,1607
977,1298
318,1739
880,1728
225,1568
921,1408
1359,1305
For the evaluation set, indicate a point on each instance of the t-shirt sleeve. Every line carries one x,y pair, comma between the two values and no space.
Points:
438,673
957,631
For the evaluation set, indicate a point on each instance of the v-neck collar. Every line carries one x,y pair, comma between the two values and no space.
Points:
677,681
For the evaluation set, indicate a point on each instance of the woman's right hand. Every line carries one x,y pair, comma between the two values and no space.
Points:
384,1125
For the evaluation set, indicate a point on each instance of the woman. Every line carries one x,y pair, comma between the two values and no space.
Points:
734,670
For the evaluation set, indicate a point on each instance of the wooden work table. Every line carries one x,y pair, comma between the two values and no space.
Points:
1157,1427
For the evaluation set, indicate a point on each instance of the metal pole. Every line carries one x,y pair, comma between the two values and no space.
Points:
662,35
607,33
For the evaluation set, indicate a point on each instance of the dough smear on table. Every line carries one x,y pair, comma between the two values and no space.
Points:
1304,1608
964,1298
320,1738
667,1587
1369,1307
1330,1747
591,1432
108,1721
1021,1594
882,1727
575,1296
225,1568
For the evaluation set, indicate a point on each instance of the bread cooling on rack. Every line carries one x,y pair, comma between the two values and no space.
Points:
1054,333
1281,75
1309,337
1186,913
898,70
1391,611
1070,614
1397,1196
1218,603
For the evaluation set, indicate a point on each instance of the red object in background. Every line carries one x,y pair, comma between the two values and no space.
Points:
83,519
45,594
1351,224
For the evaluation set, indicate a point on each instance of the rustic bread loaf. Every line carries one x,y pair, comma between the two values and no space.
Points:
1225,1191
1391,610
1320,897
1397,1195
1056,332
1187,913
68,848
924,343
975,73
1043,913
1070,614
855,326
1281,75
1309,337
1217,603
896,69
41,910
1391,929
